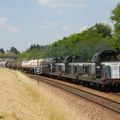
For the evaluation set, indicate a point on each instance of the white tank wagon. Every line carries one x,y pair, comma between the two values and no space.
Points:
3,64
30,65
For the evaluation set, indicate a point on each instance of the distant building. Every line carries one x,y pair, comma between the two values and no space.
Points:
10,53
7,58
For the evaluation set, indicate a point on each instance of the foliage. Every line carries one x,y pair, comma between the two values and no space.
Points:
103,29
32,54
14,50
39,47
2,50
116,19
85,44
3,55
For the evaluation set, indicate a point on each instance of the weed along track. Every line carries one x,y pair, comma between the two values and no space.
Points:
103,101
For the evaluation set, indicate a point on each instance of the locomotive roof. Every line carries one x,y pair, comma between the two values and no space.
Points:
102,56
107,52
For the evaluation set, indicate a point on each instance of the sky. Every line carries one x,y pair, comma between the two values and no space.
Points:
26,22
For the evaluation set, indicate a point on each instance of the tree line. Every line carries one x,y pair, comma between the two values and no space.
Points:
13,49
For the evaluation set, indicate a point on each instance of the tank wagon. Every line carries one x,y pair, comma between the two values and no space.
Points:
102,72
3,64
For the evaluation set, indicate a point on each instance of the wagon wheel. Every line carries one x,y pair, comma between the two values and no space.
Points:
106,88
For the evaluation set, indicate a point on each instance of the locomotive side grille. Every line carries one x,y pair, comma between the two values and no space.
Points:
112,69
115,71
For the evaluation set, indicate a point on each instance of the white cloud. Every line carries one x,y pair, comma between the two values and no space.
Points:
64,3
66,28
4,26
69,3
49,25
45,27
108,0
58,11
13,29
2,20
83,28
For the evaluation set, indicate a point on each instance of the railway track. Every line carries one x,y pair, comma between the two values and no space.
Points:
118,94
105,102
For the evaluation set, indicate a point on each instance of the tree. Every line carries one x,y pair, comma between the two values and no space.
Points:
2,50
39,47
104,29
116,19
14,50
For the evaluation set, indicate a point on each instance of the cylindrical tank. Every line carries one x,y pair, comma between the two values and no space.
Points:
25,64
13,65
3,64
9,64
18,64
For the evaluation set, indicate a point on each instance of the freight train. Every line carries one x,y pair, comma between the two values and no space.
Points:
103,72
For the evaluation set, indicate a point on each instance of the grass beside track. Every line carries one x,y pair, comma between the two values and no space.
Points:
21,98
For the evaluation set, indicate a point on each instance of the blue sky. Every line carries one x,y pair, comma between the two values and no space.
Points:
26,22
